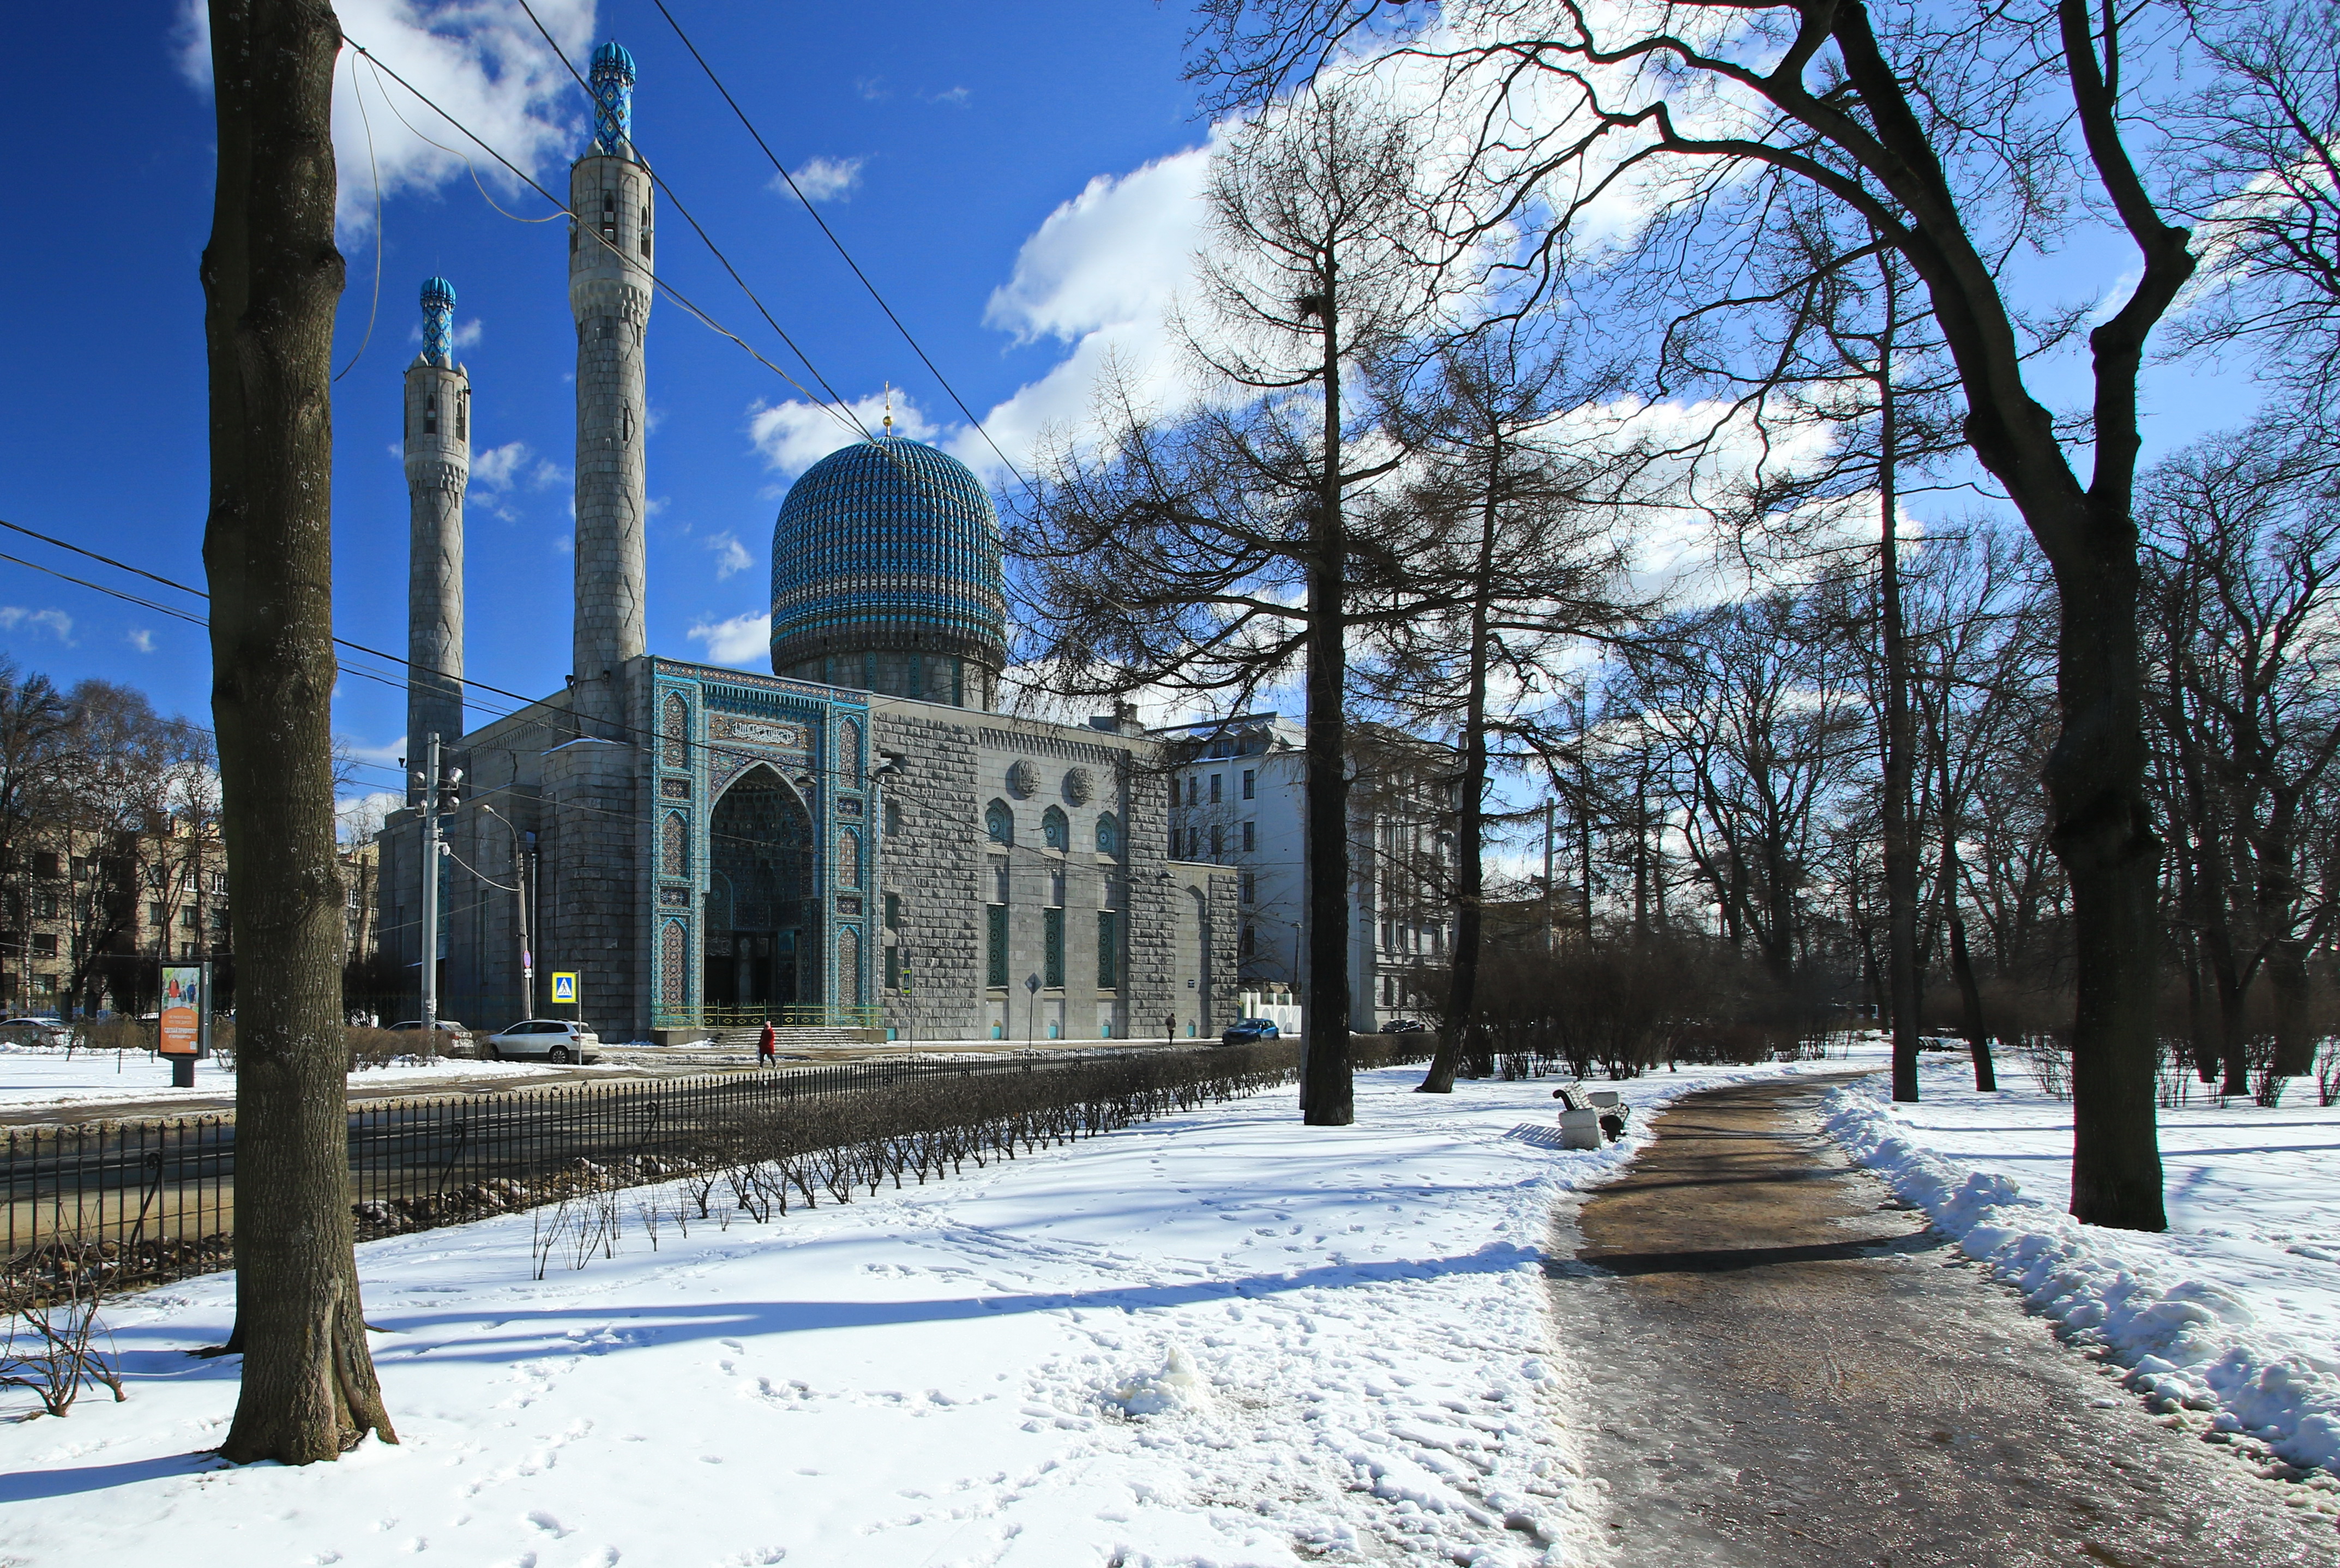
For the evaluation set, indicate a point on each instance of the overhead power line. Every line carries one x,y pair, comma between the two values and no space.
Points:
691,307
402,683
839,244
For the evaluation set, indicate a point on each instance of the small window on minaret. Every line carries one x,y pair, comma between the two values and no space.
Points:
646,230
463,416
608,214
431,416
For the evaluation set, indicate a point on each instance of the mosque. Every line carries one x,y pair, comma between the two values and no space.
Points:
858,841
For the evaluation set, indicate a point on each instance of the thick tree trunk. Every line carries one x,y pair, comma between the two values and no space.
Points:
2104,835
2294,1035
1327,1095
271,278
2231,990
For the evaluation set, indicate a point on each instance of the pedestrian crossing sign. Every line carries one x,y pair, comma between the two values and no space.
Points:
564,989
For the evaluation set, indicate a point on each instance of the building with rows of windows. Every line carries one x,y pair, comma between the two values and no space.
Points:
1237,797
855,840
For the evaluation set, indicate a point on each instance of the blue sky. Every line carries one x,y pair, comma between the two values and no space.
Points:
948,133
1019,180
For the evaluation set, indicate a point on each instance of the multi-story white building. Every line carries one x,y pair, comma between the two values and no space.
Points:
1237,798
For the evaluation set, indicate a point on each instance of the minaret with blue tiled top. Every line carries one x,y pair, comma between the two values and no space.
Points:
438,444
609,287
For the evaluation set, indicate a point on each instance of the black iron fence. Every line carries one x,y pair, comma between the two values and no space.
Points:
155,1199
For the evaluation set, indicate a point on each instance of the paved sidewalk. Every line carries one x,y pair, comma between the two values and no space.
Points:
1791,1369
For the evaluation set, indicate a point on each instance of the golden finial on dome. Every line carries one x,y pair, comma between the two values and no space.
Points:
889,408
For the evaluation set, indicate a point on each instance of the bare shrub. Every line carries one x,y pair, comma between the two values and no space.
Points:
56,1343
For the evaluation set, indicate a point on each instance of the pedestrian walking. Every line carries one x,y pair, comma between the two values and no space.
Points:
767,1046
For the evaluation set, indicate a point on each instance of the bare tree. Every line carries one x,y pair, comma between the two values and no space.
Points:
271,276
1957,136
1213,551
1510,530
2267,131
2243,583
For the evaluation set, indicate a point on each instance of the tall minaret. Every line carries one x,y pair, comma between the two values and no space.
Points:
610,293
438,466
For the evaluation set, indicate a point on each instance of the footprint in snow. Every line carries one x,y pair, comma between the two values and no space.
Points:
548,1525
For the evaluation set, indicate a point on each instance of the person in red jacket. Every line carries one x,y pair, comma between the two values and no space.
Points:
767,1046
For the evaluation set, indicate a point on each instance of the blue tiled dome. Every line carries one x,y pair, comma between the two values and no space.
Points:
886,574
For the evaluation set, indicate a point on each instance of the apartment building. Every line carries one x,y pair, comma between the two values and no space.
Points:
1237,799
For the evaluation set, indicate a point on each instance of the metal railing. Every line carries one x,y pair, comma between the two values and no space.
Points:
157,1198
792,1015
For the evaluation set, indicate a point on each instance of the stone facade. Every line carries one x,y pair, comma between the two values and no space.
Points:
703,846
627,847
609,286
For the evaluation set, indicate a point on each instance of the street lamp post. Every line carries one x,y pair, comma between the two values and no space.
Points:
520,881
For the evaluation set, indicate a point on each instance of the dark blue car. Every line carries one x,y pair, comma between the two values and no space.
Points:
1250,1032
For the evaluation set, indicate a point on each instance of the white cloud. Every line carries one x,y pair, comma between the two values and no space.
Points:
957,97
822,179
794,435
467,334
485,65
142,639
743,642
496,467
731,556
1103,273
56,623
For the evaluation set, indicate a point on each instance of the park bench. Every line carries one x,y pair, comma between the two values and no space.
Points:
1588,1115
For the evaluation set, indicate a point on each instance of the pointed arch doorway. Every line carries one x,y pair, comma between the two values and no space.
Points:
763,937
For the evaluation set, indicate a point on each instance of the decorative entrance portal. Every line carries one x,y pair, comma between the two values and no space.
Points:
763,935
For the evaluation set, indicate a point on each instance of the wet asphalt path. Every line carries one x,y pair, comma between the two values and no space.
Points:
1786,1368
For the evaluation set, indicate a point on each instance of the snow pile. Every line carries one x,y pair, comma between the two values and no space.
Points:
1212,1340
1177,1386
2231,1312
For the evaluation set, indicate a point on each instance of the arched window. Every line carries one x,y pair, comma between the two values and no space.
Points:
1055,831
1000,823
849,859
674,846
675,730
849,743
1108,834
430,416
893,819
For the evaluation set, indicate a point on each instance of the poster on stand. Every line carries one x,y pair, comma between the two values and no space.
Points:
183,1009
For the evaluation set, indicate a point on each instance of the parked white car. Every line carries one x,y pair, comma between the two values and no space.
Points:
545,1039
35,1031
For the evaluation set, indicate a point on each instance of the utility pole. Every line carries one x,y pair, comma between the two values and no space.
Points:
435,800
431,887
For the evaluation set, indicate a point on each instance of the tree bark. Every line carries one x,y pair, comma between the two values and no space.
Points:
1900,846
2294,1034
1986,1072
1327,1095
271,277
2104,834
1470,825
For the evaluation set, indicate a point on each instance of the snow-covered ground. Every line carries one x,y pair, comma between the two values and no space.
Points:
36,1076
2234,1312
1213,1339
